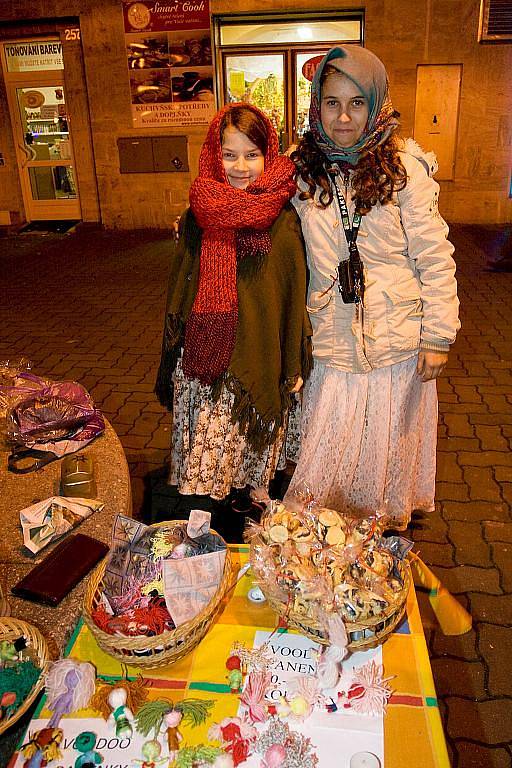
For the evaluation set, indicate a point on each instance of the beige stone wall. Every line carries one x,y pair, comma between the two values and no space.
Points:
402,33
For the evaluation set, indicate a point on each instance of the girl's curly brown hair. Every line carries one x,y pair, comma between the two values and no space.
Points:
378,174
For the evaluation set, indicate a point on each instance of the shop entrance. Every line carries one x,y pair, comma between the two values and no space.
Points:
34,78
269,61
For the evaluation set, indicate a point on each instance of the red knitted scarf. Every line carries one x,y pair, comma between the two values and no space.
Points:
235,225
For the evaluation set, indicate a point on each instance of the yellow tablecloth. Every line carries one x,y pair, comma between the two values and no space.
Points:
413,732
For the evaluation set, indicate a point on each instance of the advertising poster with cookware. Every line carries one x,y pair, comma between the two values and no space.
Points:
169,53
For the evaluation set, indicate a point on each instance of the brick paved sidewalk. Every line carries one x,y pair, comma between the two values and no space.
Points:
89,306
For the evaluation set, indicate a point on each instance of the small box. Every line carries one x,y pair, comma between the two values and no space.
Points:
77,477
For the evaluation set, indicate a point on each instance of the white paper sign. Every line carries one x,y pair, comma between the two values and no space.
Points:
292,655
336,736
190,584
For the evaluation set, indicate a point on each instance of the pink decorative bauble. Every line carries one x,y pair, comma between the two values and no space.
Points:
275,756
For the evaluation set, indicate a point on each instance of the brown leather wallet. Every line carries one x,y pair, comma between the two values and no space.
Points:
61,570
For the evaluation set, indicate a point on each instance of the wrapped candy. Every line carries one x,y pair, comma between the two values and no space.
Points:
317,561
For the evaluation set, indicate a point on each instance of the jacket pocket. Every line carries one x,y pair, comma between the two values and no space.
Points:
319,300
404,312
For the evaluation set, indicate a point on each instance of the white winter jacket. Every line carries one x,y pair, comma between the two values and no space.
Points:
410,296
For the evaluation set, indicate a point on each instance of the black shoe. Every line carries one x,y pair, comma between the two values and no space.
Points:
242,504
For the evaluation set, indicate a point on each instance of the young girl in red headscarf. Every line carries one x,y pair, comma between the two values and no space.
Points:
236,340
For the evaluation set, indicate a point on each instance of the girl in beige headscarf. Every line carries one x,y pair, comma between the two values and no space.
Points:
382,297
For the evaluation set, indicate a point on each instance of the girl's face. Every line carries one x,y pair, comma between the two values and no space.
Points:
343,111
242,160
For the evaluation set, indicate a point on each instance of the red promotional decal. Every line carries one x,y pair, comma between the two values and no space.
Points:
165,15
310,66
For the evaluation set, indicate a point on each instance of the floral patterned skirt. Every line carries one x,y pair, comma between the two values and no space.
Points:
368,441
209,453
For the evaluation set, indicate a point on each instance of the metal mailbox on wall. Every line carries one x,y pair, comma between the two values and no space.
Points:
153,154
170,153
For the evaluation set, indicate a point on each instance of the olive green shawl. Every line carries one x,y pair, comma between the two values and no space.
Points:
273,341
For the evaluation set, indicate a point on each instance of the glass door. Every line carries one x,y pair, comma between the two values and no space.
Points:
45,150
42,132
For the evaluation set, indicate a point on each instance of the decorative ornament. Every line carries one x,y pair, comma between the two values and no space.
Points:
170,726
253,696
304,695
236,737
151,751
201,756
154,716
328,667
69,687
85,743
253,659
278,737
274,757
11,651
7,704
42,747
69,684
163,717
121,715
368,692
116,702
235,677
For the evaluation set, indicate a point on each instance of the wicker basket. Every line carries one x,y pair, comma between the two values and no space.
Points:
361,635
5,608
168,647
11,629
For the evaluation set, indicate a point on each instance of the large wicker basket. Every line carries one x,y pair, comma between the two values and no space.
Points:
11,629
5,608
168,647
361,635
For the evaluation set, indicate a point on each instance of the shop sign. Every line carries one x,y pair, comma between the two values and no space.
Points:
165,15
33,55
49,112
178,115
170,63
310,67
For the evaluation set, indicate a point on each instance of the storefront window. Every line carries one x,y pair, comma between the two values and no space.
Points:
258,80
297,31
270,61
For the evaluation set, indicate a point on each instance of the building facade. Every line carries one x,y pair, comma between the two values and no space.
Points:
104,103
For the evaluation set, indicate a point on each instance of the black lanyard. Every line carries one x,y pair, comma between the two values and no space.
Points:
351,231
350,271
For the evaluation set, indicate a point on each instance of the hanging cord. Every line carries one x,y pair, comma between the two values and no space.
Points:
350,271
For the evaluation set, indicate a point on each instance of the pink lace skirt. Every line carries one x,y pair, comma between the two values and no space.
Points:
368,441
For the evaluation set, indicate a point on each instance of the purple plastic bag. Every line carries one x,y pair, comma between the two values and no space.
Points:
54,417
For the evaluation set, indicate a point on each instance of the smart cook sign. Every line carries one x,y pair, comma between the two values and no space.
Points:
167,15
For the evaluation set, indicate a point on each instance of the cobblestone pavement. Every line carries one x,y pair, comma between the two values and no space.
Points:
89,306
